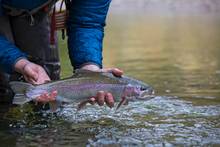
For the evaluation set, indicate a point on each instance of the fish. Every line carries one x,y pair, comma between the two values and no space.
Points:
83,85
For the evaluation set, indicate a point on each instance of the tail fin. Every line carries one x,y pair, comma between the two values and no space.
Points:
20,89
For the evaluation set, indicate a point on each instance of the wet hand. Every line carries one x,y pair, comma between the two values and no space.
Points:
47,97
33,73
102,97
115,71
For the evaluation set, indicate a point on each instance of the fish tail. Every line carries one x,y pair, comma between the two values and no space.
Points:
19,89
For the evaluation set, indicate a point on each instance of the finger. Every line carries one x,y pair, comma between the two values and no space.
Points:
34,76
32,81
40,76
29,80
92,100
47,81
46,98
31,73
100,98
40,99
44,78
43,98
106,70
109,99
53,95
115,71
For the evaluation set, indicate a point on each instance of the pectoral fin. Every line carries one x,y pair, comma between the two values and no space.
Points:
123,101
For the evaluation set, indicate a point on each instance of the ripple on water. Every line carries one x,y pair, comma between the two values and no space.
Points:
160,121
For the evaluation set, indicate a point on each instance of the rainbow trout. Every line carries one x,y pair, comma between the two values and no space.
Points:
83,85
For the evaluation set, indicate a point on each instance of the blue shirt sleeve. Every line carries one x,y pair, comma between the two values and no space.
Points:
24,4
9,54
86,31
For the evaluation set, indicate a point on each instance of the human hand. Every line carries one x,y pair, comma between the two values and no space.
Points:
115,71
102,96
33,73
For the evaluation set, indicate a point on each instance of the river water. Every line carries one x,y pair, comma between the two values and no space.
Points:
175,48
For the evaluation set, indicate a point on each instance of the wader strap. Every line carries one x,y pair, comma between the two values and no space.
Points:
52,28
61,17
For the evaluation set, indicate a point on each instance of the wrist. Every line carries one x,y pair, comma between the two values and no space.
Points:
90,66
20,65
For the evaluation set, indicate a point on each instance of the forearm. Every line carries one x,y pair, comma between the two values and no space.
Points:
84,48
90,66
86,31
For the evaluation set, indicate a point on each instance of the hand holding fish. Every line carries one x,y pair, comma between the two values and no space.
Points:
36,75
32,72
104,87
102,96
115,71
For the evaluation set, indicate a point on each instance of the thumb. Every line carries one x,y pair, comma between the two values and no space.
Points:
115,71
34,75
31,73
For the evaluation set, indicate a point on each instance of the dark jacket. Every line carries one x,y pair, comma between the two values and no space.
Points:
85,30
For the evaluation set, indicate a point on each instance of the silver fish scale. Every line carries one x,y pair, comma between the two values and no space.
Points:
82,92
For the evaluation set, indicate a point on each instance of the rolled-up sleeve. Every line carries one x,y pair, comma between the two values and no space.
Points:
9,54
86,31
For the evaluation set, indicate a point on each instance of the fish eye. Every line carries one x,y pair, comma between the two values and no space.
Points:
143,88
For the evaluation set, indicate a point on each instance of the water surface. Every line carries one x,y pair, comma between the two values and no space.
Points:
176,50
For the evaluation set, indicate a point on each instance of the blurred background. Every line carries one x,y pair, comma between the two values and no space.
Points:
173,45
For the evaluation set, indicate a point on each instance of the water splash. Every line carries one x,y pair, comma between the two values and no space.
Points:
160,121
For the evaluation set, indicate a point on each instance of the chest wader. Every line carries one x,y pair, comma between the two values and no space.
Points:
31,33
